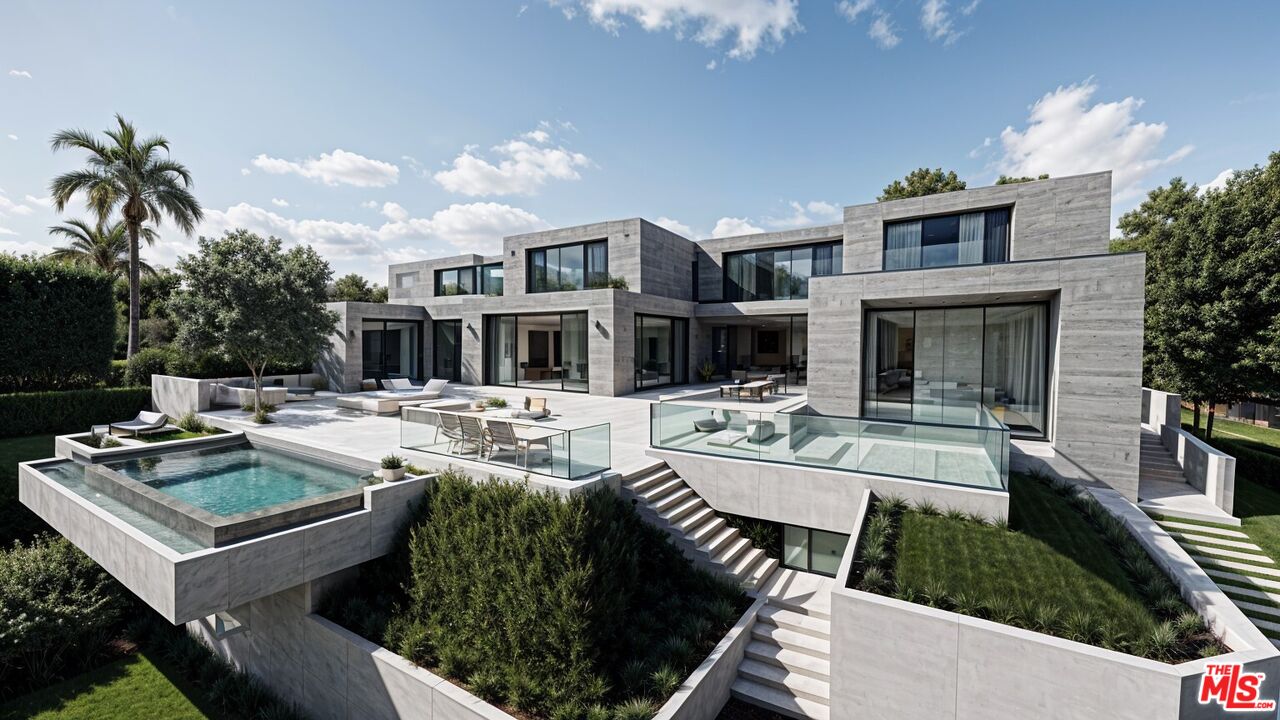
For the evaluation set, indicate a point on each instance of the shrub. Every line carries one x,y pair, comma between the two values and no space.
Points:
762,533
57,610
634,709
495,402
262,415
191,422
39,297
392,462
665,680
69,410
148,362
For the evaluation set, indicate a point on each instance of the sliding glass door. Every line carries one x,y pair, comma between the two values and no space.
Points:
500,350
391,348
546,351
938,365
573,352
662,351
447,350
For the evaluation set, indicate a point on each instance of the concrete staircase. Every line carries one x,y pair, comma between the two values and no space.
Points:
1164,490
1156,463
787,666
666,501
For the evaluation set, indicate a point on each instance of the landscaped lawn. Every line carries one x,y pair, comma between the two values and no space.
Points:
16,521
177,435
1238,431
132,687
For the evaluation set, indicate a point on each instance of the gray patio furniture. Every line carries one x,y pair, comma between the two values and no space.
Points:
452,429
472,433
145,423
498,436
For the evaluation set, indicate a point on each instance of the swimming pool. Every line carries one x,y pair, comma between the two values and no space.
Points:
238,479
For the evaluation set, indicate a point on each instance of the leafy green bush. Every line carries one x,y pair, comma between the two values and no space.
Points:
147,362
69,410
75,303
552,606
191,422
57,610
763,534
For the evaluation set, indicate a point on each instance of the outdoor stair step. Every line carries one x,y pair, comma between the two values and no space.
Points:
1232,591
742,565
792,640
672,499
1254,609
1231,554
732,552
1194,539
792,620
762,572
1208,529
779,701
644,483
717,541
800,686
795,662
1245,580
1233,565
661,490
681,511
695,519
1265,624
1161,474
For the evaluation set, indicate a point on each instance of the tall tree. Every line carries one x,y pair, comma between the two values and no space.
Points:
922,182
247,299
106,248
128,173
354,288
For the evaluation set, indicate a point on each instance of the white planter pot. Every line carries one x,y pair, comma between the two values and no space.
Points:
388,475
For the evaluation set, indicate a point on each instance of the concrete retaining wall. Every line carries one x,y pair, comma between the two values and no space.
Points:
706,690
1161,408
1206,468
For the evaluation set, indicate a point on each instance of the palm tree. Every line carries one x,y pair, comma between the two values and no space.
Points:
106,248
128,174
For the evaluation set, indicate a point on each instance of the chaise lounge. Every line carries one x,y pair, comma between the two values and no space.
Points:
144,424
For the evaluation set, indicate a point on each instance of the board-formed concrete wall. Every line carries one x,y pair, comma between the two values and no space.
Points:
1095,315
342,363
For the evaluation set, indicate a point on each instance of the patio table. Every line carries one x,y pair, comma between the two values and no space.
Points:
532,435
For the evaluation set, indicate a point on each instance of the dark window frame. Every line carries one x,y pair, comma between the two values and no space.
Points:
588,267
782,542
477,273
884,238
729,292
637,322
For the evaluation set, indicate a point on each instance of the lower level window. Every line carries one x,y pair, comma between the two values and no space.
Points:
816,551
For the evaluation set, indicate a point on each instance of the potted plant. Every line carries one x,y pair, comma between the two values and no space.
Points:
706,370
392,468
495,402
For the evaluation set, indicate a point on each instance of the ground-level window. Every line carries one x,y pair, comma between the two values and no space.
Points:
816,551
938,365
662,351
447,350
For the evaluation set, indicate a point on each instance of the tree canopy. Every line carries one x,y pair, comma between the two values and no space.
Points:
248,299
352,287
1212,330
922,181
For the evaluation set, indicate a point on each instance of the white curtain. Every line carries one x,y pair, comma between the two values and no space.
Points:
902,245
1016,355
971,227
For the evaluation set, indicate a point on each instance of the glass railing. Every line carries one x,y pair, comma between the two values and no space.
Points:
975,455
568,453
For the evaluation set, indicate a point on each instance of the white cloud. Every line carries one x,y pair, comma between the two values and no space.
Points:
370,204
46,201
475,227
883,32
676,227
986,145
851,9
747,25
1219,182
1065,135
12,136
711,64
731,226
337,168
9,207
245,171
415,166
814,212
525,165
7,231
279,202
968,9
20,73
936,21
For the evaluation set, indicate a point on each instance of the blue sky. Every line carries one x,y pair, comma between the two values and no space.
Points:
392,131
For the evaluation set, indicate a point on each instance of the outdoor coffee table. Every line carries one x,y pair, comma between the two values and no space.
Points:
755,389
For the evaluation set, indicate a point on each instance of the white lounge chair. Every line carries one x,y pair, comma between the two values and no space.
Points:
145,423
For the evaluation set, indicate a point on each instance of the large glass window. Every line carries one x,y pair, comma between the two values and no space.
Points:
662,351
447,350
491,279
546,351
391,348
962,239
470,280
569,267
816,551
936,365
778,273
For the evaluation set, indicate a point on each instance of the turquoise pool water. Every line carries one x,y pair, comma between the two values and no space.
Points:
70,474
237,479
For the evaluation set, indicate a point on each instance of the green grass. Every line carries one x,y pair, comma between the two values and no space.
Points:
177,435
16,521
132,687
1269,438
1050,556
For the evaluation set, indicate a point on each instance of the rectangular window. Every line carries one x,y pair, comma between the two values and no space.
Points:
963,239
778,273
661,351
491,279
579,266
938,365
816,551
470,280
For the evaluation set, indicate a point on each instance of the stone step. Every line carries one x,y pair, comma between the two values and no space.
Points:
791,640
779,701
1207,529
731,552
672,499
1244,580
1235,593
792,620
1265,624
742,565
799,686
1256,611
1195,539
717,543
1233,565
1217,552
645,482
1158,508
762,572
794,662
661,490
692,503
695,519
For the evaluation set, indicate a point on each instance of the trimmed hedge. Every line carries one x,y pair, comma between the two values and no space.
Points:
57,325
1252,464
69,410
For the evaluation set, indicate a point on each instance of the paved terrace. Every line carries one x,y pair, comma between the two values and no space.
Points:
319,424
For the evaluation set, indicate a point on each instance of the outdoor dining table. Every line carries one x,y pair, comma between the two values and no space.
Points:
532,435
